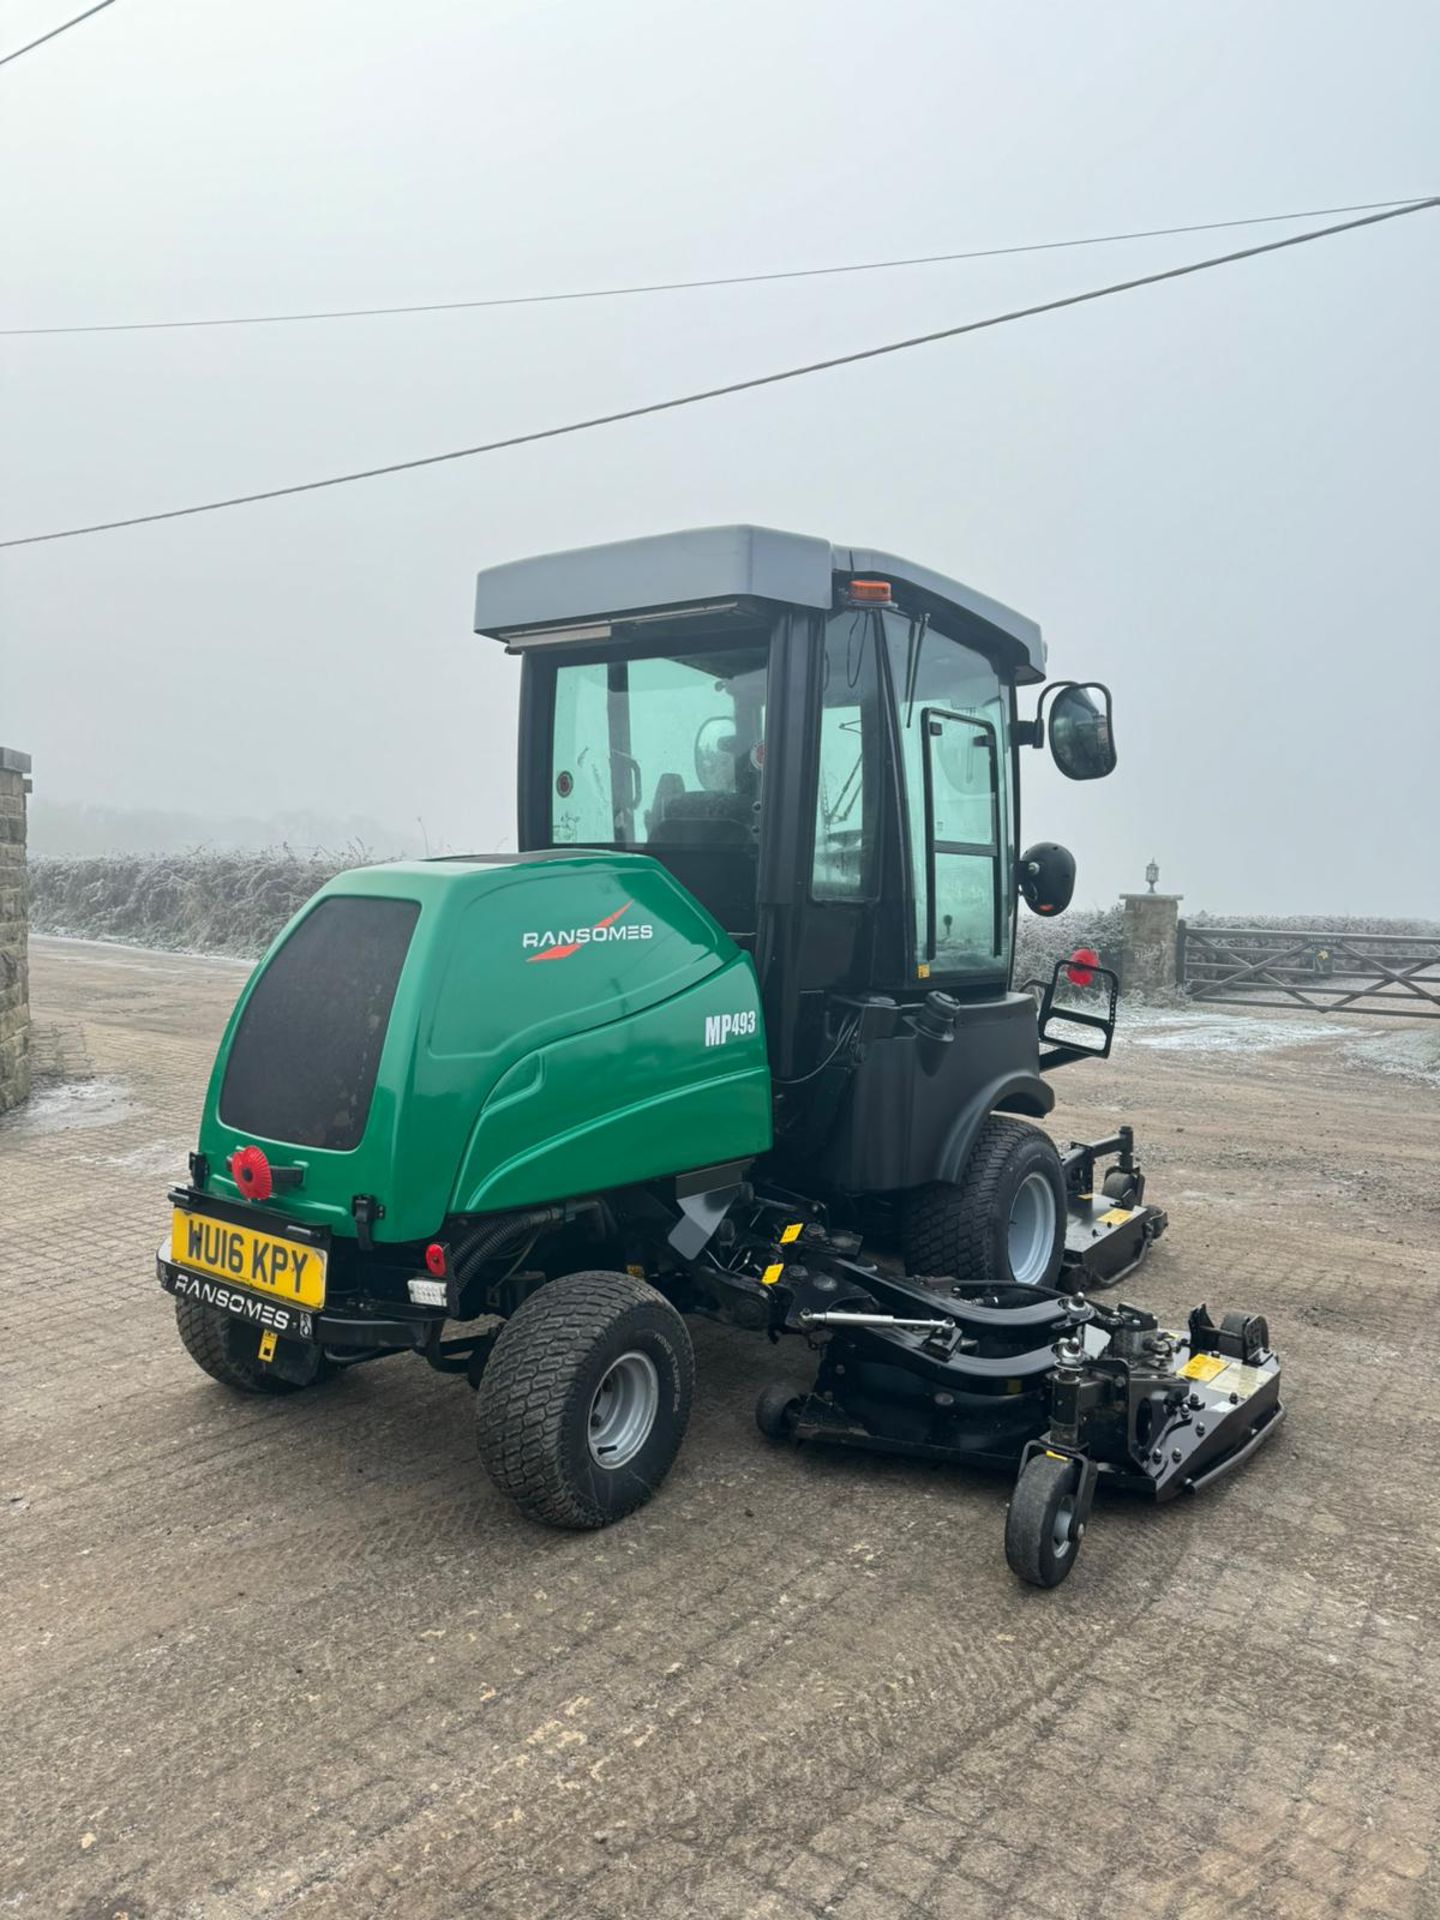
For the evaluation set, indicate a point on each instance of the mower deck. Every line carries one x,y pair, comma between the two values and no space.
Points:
1043,1383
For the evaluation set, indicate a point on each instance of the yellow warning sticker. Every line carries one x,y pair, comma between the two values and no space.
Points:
1203,1366
1116,1215
792,1232
267,1344
772,1274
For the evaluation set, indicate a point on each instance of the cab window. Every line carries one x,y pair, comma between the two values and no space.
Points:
658,752
664,754
952,715
848,786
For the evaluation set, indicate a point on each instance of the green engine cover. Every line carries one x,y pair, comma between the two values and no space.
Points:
560,1025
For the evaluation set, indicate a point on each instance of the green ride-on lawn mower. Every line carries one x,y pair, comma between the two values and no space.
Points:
734,1034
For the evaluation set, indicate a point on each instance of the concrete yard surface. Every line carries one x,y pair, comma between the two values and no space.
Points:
298,1657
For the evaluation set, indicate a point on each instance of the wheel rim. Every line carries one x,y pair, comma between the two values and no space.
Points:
623,1410
1063,1531
1032,1229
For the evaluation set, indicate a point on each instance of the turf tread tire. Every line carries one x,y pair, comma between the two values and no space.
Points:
949,1228
205,1333
539,1373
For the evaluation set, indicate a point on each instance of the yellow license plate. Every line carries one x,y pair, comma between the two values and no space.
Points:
263,1262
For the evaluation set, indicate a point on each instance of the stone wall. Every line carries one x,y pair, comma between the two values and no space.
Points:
14,932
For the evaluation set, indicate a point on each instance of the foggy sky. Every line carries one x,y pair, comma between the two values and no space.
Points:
1220,495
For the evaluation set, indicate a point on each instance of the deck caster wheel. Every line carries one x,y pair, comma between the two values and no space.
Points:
582,1407
777,1410
1043,1528
1120,1187
1253,1329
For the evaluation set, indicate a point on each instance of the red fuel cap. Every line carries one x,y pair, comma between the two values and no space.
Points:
251,1171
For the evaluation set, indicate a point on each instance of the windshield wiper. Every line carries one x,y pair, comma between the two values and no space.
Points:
918,630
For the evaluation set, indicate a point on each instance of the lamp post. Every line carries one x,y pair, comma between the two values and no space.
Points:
1152,874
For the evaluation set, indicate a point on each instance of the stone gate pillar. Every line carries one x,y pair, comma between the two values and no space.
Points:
1147,960
14,931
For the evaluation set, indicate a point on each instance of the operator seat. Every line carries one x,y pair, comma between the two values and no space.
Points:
666,788
710,842
705,819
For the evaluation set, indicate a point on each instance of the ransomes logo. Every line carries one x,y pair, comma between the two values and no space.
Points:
245,1306
560,943
720,1027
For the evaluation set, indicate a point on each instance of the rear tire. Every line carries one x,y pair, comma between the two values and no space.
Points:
228,1349
1042,1533
1004,1223
582,1408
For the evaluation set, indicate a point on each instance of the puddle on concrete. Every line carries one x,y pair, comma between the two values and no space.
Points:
71,1105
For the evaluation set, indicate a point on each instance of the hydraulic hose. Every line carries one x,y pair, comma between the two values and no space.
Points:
493,1237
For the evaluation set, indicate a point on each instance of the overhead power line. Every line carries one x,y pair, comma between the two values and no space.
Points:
690,286
64,27
732,386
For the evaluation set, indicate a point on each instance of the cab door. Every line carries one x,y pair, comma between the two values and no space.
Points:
952,720
963,911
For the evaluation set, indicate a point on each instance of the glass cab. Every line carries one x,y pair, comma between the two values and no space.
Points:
836,788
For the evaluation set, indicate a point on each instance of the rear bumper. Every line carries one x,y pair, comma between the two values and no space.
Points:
272,1316
354,1325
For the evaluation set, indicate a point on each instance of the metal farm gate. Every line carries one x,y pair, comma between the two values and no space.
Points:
1322,969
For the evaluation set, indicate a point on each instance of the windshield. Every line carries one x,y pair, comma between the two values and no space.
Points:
954,713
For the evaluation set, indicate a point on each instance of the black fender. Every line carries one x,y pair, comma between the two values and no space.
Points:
1024,1093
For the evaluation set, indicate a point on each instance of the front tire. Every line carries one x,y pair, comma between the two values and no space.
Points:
582,1408
228,1349
1004,1223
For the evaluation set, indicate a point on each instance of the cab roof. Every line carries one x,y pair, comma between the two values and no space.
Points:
590,586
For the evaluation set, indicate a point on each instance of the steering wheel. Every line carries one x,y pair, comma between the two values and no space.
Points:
715,753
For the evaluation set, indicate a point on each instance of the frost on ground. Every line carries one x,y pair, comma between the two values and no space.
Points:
1414,1052
1224,1032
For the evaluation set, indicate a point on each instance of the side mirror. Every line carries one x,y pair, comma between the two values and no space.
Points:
1082,737
1047,877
